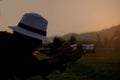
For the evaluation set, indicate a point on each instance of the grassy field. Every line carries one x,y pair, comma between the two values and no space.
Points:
102,65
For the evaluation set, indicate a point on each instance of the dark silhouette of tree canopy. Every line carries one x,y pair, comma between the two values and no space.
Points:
116,38
99,43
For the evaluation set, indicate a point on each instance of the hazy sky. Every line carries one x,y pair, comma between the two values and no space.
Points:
64,16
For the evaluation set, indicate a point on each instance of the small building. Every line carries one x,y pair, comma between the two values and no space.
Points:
89,48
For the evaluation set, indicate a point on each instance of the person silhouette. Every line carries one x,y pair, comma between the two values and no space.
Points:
17,58
26,37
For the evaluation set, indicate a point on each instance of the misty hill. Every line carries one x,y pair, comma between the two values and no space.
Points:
106,33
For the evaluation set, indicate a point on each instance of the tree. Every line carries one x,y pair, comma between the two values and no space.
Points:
116,38
99,43
105,42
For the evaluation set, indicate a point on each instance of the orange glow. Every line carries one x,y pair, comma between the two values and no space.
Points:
64,16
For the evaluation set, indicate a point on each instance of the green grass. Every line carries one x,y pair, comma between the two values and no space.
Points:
102,65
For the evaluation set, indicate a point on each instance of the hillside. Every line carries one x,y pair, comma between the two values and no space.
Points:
106,33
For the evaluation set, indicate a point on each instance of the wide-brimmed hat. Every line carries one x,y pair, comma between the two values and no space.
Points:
32,25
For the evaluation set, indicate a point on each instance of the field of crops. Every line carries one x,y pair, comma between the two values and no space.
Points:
102,65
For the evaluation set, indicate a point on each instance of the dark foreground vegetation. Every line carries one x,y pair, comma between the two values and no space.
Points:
102,65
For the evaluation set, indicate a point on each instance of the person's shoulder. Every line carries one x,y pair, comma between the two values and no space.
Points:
5,35
5,38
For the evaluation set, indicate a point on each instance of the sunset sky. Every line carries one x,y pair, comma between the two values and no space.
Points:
64,16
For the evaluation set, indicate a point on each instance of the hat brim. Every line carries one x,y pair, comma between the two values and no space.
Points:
30,34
